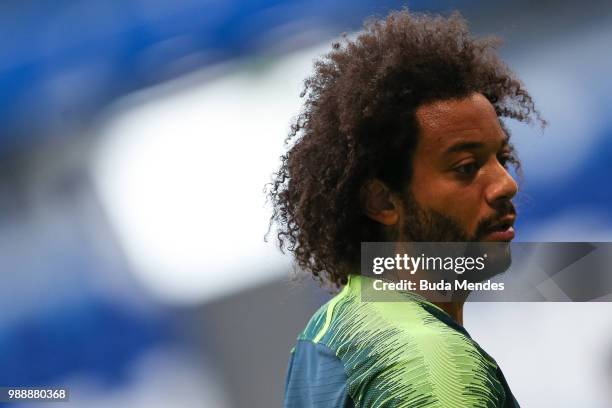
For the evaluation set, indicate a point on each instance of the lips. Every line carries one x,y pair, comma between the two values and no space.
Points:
500,231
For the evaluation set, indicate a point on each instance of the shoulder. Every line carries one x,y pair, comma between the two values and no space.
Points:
403,354
429,367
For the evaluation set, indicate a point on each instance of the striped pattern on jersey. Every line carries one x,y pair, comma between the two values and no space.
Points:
404,353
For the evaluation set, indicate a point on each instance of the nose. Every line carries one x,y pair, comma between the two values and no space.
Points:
501,187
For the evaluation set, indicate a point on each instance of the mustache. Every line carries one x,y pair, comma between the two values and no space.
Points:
485,224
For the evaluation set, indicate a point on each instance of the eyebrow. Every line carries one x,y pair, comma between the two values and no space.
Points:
470,146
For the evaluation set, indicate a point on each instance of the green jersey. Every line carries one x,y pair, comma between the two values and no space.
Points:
407,353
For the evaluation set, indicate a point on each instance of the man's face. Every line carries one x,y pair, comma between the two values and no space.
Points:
460,188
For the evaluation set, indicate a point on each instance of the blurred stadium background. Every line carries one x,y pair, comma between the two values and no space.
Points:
136,140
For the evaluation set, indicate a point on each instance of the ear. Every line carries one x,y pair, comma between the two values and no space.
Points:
378,202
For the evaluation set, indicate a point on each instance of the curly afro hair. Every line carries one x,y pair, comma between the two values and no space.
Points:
358,123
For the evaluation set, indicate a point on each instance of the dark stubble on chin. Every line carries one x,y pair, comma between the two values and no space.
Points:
421,225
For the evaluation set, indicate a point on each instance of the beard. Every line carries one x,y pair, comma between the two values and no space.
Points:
421,225
432,228
425,225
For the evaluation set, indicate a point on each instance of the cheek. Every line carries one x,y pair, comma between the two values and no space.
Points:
461,203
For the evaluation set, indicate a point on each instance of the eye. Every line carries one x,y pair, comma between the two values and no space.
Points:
467,169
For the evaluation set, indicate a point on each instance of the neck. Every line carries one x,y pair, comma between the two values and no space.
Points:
454,309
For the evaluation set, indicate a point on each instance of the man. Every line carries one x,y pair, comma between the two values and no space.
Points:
400,139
